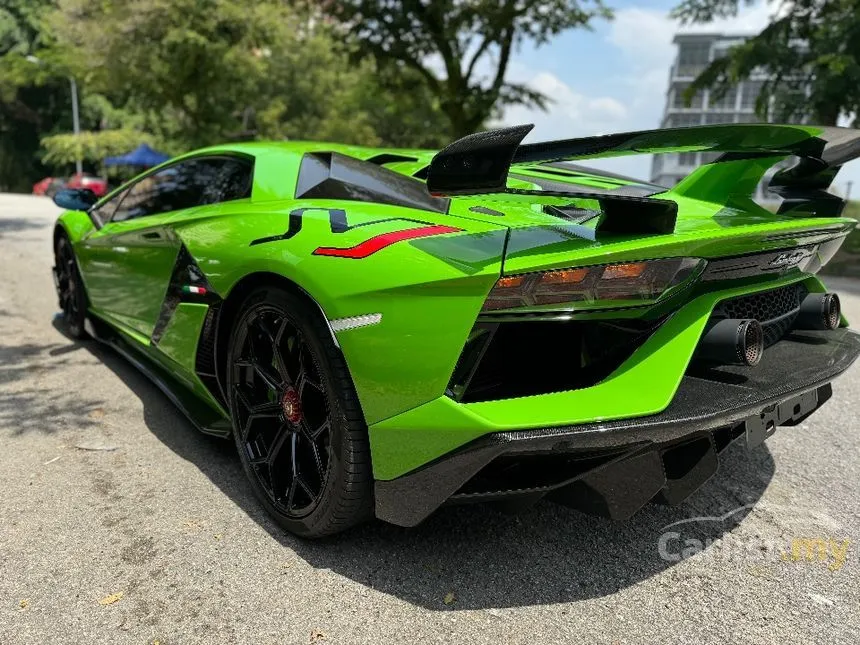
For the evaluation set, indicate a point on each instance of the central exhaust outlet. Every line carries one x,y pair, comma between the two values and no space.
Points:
732,342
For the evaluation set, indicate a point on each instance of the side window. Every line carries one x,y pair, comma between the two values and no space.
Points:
106,209
232,180
170,189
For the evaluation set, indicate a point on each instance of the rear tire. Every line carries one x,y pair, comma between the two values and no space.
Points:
70,289
297,423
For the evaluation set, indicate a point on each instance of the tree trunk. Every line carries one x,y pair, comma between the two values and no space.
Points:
826,113
460,123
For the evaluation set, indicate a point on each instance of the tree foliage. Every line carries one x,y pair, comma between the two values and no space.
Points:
33,102
94,146
180,74
460,49
810,52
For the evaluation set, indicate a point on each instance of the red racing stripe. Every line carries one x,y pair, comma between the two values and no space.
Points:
379,242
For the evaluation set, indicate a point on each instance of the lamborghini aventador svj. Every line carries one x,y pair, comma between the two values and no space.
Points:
383,331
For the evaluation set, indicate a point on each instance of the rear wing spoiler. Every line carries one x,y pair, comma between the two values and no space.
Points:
479,163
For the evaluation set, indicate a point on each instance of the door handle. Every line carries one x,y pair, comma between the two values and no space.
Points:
152,235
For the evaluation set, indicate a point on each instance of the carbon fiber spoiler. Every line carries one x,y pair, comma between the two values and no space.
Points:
479,163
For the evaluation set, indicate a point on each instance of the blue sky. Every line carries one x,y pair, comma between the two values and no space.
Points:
614,78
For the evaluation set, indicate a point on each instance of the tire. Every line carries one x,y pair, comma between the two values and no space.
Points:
297,423
70,289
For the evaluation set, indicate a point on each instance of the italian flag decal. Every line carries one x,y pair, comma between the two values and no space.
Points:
190,289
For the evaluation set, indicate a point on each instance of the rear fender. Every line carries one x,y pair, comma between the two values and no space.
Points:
422,295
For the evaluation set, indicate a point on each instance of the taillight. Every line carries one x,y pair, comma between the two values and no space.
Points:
612,285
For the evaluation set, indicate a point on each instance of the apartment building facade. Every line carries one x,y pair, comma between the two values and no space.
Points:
695,52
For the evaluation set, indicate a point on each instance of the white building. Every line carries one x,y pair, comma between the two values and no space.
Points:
695,52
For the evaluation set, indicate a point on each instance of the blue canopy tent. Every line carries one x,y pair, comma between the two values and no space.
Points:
142,156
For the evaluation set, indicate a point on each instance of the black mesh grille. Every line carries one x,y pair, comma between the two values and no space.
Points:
775,310
504,360
205,362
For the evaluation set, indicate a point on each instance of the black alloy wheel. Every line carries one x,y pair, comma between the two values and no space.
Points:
70,288
296,421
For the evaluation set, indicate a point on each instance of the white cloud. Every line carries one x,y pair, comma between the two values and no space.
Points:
569,113
643,38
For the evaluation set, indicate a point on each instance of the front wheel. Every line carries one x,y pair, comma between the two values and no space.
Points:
296,420
70,288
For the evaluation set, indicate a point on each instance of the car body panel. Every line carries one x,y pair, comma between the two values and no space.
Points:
128,265
182,332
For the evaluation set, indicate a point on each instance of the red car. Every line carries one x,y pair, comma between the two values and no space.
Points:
48,186
98,185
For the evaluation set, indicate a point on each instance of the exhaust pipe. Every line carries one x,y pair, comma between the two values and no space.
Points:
732,342
819,311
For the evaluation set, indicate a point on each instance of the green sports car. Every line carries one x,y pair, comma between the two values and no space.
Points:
385,331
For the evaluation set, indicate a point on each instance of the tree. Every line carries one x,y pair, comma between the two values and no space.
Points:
810,52
181,74
63,149
198,72
471,40
33,102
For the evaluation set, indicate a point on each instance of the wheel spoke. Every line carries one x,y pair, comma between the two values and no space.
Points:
305,380
268,409
240,396
315,452
278,444
306,488
294,471
316,434
274,339
291,494
293,466
258,461
272,382
281,366
254,412
264,328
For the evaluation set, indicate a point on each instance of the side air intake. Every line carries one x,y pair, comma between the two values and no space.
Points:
329,175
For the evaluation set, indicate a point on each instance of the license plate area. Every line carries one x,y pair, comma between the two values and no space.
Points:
789,412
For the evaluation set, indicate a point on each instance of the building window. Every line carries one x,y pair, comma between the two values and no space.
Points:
748,118
684,120
749,94
710,157
678,98
687,159
725,102
716,118
693,58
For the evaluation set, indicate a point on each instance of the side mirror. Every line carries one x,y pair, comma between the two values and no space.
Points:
75,199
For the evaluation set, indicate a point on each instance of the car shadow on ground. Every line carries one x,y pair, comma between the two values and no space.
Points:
487,559
38,409
17,224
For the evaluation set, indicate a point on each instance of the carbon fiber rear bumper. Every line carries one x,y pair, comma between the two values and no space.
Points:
614,468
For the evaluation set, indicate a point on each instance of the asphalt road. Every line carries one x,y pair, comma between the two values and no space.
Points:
105,490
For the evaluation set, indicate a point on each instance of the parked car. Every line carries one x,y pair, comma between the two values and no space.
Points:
48,186
387,331
99,185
